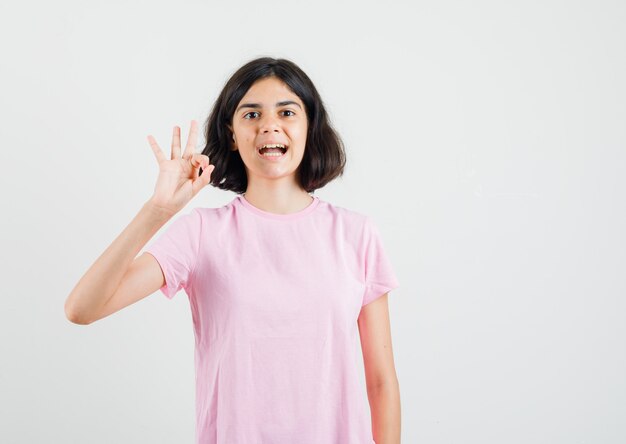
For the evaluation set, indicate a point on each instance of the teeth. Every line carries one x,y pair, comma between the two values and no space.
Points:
273,145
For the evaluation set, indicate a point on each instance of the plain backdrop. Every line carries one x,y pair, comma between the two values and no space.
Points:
486,139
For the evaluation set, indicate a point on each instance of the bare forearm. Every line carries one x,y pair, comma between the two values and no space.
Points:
385,407
103,277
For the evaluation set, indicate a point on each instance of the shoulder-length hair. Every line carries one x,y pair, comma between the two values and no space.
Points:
324,155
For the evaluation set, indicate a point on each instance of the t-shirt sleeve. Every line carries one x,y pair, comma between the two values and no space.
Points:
176,251
379,275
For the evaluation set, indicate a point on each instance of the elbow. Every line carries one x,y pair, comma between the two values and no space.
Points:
73,315
383,383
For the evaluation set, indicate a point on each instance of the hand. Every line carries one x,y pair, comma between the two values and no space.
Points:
179,180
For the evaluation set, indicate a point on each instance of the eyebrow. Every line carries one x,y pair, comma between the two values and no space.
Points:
257,105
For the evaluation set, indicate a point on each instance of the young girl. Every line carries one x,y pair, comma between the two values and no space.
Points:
282,285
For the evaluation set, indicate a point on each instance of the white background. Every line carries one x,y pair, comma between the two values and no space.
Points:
486,139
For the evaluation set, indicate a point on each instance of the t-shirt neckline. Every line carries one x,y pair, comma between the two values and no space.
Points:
276,216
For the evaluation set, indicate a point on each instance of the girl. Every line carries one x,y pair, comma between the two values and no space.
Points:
282,285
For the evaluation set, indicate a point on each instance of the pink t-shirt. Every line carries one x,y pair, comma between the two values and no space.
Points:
275,300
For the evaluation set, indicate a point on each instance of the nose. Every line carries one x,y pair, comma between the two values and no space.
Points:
268,124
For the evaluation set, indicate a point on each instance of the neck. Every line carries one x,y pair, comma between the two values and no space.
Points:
277,199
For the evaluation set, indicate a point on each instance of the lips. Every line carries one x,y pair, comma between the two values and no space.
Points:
272,154
258,147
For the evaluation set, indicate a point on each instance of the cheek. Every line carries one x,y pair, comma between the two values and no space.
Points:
301,131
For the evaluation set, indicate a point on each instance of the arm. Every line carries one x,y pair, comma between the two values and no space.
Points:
383,389
118,268
117,279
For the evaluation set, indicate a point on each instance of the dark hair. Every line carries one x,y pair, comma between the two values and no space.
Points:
324,156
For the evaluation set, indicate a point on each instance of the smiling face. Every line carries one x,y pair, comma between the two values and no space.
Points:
270,113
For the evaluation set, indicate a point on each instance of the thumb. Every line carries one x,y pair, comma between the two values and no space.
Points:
199,160
201,181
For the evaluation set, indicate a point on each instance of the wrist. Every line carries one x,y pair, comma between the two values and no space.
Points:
157,212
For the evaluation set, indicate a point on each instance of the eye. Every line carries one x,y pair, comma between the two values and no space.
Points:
289,111
251,112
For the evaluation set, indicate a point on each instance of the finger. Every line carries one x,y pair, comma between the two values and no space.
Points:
200,182
191,140
176,143
156,149
199,160
196,164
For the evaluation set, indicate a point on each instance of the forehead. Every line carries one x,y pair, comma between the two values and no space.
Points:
269,90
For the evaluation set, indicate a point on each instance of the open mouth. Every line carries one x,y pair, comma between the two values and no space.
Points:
273,151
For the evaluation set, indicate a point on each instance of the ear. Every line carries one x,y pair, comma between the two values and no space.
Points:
234,143
230,128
